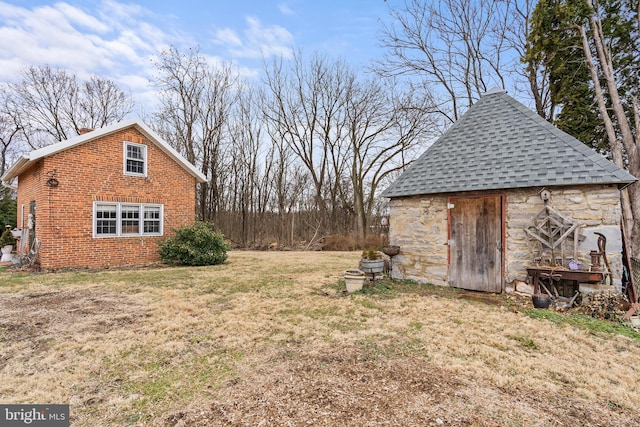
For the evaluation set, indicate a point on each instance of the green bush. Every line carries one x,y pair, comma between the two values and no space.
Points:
7,239
198,244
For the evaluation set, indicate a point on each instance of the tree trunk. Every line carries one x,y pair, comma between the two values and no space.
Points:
629,197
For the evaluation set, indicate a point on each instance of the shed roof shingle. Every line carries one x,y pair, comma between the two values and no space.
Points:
498,144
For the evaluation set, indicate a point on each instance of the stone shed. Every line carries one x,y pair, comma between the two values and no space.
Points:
472,211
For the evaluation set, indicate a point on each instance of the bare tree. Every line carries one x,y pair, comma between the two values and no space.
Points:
196,101
10,131
517,29
53,103
288,180
384,125
292,110
249,187
100,103
623,138
350,133
458,46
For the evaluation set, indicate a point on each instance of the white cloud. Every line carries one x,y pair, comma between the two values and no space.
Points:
258,41
285,9
115,40
118,41
81,18
227,36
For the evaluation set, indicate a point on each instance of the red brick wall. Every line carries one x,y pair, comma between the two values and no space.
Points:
94,172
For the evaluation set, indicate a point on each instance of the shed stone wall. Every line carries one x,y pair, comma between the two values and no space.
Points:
595,207
419,225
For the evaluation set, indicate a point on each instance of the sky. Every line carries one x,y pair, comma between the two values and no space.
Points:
119,39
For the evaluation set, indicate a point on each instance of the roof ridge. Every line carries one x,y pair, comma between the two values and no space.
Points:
22,163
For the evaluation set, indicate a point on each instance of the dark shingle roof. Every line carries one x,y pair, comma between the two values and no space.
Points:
499,143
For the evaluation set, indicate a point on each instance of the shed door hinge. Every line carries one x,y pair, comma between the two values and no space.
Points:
450,206
451,242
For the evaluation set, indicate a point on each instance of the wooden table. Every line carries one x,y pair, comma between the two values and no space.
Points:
562,273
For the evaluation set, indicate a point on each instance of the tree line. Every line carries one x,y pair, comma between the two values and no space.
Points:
303,151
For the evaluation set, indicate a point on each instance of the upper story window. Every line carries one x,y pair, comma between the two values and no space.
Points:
135,159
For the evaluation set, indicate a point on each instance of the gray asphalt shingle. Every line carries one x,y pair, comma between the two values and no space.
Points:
499,143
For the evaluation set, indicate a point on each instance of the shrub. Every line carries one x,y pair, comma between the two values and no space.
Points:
198,244
7,238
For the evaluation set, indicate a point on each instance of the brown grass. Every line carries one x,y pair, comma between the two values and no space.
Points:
271,339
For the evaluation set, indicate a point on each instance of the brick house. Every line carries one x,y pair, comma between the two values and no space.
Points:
465,213
103,198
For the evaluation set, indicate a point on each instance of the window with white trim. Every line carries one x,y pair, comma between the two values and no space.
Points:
152,220
130,219
113,219
135,159
106,222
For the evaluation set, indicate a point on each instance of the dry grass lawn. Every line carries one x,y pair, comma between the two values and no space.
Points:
271,339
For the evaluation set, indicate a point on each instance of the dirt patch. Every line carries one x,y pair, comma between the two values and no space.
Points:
328,390
343,390
37,320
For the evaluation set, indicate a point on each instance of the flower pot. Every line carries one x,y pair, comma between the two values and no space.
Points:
6,253
353,280
372,265
540,300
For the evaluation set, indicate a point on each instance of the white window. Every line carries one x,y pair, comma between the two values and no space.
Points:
111,219
135,159
152,220
106,222
130,219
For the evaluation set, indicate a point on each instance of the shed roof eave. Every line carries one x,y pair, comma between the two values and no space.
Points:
397,194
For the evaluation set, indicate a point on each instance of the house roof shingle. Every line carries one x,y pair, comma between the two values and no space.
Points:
498,144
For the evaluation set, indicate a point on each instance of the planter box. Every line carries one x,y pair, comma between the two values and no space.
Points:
372,265
6,253
353,280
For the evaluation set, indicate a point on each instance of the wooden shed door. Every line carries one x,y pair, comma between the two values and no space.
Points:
475,245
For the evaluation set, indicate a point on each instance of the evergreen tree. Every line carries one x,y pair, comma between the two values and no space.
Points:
8,208
555,44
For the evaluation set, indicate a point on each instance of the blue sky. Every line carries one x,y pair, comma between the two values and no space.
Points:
118,39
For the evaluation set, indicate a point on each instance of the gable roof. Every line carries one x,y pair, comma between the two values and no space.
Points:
498,144
27,160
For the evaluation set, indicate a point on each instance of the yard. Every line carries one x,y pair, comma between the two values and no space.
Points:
270,339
